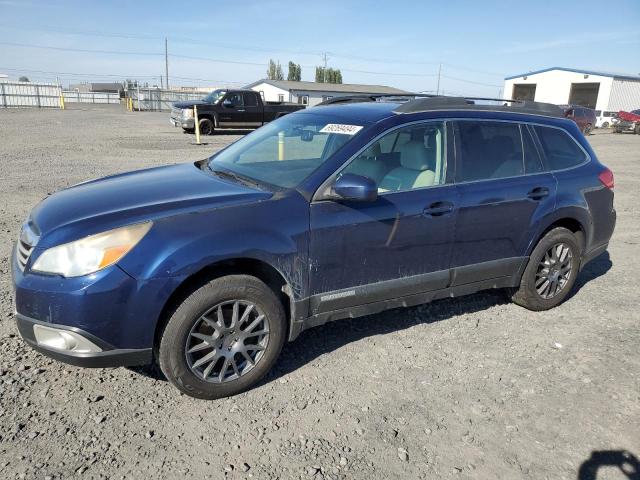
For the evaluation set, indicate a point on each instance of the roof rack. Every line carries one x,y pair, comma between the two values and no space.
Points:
372,98
470,103
424,102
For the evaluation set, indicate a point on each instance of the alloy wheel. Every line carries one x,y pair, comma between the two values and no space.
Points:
227,341
554,271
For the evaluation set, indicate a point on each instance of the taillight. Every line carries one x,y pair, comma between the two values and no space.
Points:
606,177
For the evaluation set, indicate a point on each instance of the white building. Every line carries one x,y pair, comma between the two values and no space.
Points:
597,90
312,93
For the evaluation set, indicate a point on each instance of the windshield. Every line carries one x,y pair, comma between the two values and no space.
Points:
214,96
285,151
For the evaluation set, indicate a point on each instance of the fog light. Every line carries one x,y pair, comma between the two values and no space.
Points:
65,340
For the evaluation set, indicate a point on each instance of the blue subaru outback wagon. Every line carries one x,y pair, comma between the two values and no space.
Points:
337,211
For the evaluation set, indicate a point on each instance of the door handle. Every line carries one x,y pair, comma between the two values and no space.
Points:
241,110
538,193
438,209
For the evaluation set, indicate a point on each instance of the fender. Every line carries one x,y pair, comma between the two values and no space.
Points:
182,245
576,213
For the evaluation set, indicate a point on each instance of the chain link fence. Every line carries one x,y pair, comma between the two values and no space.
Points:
157,100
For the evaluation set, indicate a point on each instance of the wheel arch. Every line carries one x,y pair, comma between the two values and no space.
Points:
571,223
260,269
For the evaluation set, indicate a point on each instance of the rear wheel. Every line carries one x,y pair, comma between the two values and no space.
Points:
206,126
551,272
223,338
605,125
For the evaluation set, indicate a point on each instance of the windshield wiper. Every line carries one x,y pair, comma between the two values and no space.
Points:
235,176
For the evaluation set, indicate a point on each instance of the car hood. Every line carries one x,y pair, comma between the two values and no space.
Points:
189,103
134,197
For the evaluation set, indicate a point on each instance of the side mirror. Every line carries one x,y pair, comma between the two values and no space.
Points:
356,188
227,103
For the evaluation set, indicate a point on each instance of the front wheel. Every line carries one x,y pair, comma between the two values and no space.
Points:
551,272
223,338
206,126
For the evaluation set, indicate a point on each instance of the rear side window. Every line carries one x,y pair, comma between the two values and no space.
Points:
250,99
560,149
489,150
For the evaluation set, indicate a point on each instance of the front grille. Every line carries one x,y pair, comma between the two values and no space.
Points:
23,252
26,243
176,113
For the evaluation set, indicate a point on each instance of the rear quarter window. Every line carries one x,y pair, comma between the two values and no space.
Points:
560,149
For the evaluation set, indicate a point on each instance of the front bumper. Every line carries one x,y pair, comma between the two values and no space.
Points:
110,309
187,123
102,356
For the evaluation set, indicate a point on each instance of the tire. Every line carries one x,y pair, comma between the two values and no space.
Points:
189,131
605,125
527,295
183,334
206,126
587,129
637,129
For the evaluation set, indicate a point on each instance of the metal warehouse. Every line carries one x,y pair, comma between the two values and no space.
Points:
559,85
312,93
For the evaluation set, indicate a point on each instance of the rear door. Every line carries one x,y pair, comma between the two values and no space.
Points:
253,112
503,191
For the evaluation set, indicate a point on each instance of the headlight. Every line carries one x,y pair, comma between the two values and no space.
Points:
187,113
90,254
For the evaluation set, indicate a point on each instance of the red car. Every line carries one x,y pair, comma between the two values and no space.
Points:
628,122
584,117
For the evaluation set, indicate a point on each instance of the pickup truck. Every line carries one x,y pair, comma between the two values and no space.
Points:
628,122
230,109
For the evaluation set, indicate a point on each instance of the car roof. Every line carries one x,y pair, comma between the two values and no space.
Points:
370,112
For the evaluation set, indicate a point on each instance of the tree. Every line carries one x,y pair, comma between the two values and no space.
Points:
23,79
274,71
328,75
271,70
295,72
279,74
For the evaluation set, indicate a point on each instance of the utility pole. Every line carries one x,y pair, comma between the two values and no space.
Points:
166,62
438,87
324,76
161,84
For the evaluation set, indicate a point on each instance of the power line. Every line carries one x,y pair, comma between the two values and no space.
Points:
254,48
190,57
111,75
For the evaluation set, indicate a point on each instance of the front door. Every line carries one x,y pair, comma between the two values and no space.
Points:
233,113
397,245
503,190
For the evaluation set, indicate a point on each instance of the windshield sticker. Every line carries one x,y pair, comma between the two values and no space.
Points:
340,128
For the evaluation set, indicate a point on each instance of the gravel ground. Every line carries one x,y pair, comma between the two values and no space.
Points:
463,388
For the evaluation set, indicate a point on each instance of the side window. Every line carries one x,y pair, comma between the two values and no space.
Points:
489,150
405,159
250,99
235,99
532,160
560,149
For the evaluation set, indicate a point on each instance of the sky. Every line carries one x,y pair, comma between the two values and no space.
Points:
474,44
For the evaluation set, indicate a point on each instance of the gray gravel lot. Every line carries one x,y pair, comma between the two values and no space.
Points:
463,388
